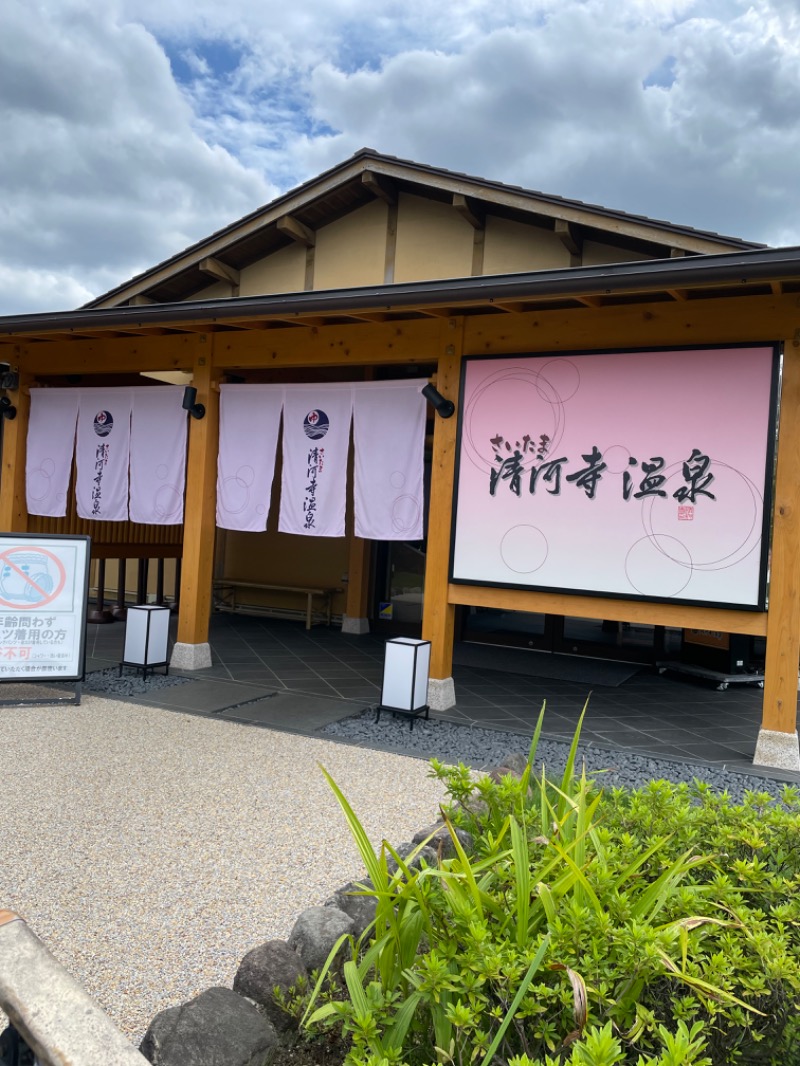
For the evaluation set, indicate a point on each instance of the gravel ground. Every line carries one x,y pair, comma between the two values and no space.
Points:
151,850
484,748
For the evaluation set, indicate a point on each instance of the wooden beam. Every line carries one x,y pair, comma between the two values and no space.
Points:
13,503
569,236
470,210
783,618
665,614
220,271
291,227
140,300
777,288
478,248
678,294
381,188
197,569
699,321
677,253
391,245
438,617
590,301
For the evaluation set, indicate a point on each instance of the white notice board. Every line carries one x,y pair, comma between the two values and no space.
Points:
44,585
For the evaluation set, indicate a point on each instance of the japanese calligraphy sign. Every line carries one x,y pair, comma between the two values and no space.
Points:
633,474
43,595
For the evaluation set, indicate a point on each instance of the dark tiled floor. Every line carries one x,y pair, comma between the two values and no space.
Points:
321,675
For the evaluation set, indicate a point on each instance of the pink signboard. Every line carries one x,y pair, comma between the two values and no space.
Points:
634,474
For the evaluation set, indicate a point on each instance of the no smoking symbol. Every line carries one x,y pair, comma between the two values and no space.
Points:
30,578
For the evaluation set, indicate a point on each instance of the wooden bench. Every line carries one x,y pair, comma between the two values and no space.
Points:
226,600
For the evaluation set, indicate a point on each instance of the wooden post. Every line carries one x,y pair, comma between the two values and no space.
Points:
13,504
438,615
356,606
192,651
777,741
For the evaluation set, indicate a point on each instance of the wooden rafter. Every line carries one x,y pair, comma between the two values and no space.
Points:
381,188
369,316
470,210
678,294
295,229
220,271
569,236
590,301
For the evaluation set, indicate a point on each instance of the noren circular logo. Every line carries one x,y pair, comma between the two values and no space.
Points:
316,424
103,423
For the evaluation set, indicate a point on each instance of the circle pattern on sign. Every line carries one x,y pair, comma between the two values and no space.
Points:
524,549
533,405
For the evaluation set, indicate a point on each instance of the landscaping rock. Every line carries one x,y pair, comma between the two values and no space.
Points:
261,970
516,763
218,1028
356,906
428,854
443,841
316,931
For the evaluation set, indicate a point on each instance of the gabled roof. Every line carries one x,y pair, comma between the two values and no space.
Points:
367,175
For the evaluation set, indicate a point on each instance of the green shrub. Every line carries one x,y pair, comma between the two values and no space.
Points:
655,927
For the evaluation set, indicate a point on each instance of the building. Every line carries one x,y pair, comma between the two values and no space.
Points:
384,270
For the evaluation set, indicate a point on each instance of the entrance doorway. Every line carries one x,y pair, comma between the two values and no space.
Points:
399,587
631,642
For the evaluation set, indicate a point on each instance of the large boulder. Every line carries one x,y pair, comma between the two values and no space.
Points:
265,968
218,1028
316,931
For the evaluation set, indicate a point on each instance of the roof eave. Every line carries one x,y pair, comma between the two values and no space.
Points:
725,269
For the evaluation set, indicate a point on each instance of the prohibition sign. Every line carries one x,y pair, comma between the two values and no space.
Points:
22,590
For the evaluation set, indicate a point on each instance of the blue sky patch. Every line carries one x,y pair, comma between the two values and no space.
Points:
663,76
211,59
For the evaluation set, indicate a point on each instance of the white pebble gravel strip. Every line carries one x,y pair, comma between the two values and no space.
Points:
151,850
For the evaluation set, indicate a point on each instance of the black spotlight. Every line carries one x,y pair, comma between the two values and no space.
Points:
444,408
196,410
7,409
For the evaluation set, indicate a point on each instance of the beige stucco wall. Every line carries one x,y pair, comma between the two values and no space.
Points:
433,241
283,271
352,250
595,253
512,247
217,290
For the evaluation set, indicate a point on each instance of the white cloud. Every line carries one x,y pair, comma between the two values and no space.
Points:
133,127
101,171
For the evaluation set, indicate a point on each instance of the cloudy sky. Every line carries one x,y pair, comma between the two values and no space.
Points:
131,128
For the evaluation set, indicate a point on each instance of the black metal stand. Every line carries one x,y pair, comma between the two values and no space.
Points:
722,680
144,667
72,701
412,716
